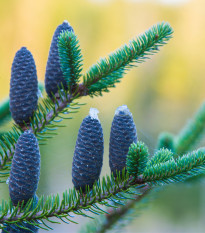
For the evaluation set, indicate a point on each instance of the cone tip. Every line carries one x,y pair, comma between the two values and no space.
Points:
93,113
123,110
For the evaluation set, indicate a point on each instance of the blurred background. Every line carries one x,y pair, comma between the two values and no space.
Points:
162,93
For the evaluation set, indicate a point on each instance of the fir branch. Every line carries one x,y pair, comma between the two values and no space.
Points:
108,71
41,86
70,58
109,189
184,167
137,158
7,145
161,156
192,132
5,114
72,202
166,140
110,219
49,114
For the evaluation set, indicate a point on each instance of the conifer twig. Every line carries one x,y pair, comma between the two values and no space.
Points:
80,203
187,166
166,141
4,111
192,132
114,215
70,58
109,71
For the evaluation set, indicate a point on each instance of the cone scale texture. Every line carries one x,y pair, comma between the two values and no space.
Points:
15,229
54,75
123,134
23,87
88,154
25,169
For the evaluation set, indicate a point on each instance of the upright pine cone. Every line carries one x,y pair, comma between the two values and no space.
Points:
123,134
54,75
88,154
23,87
25,169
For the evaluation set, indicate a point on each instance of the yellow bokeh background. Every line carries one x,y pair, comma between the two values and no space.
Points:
162,93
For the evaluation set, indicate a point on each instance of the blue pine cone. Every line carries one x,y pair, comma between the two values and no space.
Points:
23,87
25,169
54,75
88,154
123,134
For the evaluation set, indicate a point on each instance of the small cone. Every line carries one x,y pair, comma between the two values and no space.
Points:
25,169
123,134
23,87
88,154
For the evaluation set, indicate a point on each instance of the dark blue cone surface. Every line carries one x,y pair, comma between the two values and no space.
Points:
54,75
23,87
123,134
88,154
14,229
25,169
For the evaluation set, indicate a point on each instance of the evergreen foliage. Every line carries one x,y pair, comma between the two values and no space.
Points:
184,167
110,188
192,132
108,71
4,111
70,58
137,159
20,228
116,216
166,140
63,93
7,146
161,156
